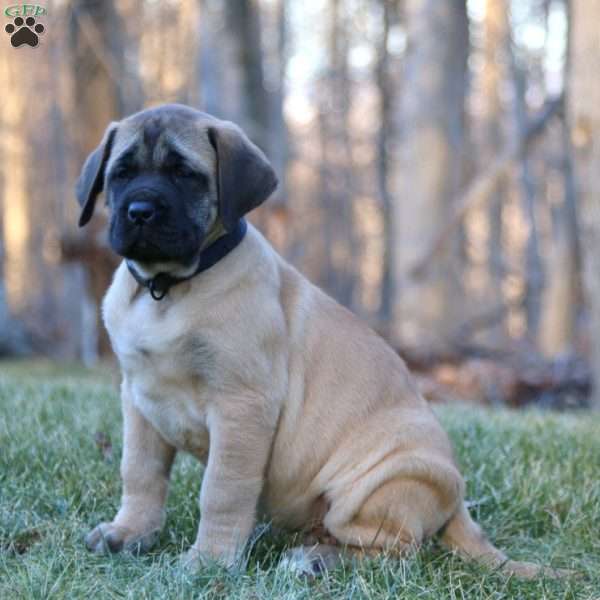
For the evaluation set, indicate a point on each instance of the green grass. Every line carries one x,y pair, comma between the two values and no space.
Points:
534,480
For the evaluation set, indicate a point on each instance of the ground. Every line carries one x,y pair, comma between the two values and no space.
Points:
533,482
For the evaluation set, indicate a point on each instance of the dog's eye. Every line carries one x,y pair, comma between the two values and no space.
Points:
181,172
121,172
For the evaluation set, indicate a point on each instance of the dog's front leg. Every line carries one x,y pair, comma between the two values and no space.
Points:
239,449
145,467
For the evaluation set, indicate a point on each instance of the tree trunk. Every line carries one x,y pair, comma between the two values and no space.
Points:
339,272
13,341
497,38
384,88
260,106
97,57
534,276
561,300
584,113
243,20
279,144
210,63
97,54
432,130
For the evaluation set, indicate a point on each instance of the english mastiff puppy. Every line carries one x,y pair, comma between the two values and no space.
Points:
299,411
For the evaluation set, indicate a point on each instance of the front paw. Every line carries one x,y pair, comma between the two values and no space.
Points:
196,559
192,560
109,537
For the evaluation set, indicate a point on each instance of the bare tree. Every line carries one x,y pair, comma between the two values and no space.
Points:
335,162
428,174
260,91
97,51
533,263
561,299
384,135
584,113
243,21
496,40
13,340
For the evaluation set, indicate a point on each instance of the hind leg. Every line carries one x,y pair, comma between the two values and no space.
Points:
395,518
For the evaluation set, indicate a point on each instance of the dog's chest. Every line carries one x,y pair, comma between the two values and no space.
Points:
167,370
177,409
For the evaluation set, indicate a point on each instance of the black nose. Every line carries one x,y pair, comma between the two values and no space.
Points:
141,212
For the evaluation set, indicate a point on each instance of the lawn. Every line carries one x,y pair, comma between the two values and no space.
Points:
533,482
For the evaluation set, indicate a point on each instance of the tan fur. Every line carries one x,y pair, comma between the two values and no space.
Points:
292,399
298,409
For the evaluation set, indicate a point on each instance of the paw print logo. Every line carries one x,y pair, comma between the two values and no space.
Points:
24,31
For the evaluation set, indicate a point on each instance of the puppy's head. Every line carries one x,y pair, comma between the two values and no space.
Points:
169,175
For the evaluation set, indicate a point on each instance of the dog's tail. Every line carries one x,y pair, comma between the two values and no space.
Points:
465,537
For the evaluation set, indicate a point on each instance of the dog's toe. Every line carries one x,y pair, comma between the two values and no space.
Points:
96,540
191,560
108,537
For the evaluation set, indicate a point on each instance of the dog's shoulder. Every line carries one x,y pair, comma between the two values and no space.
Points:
118,297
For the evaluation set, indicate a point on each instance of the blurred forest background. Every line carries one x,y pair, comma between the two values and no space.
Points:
439,160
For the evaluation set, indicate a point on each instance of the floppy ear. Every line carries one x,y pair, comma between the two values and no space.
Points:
245,178
91,178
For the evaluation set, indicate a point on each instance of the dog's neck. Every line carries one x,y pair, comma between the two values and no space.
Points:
159,277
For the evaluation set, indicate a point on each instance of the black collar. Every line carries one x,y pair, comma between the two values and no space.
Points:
160,284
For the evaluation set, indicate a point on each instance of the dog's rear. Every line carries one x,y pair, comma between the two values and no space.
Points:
380,458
